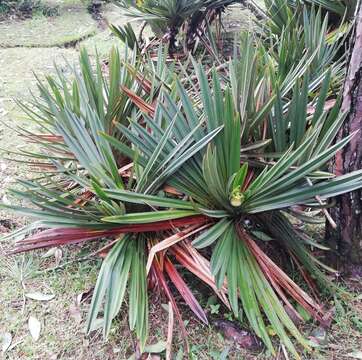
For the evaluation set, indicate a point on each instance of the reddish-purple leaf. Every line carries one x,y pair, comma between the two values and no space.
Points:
139,102
68,236
281,282
163,283
184,291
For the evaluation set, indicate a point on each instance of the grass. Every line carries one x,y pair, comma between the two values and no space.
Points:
17,67
104,40
62,335
73,25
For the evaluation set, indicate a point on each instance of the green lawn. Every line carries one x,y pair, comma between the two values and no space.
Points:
73,24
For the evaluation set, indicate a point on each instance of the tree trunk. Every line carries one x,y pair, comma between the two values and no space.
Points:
346,240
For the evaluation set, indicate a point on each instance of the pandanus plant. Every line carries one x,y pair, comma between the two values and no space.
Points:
195,171
169,19
338,7
341,8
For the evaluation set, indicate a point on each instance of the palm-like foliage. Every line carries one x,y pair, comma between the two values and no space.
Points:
170,170
287,28
341,8
167,18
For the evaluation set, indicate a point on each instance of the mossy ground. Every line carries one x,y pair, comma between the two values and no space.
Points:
34,46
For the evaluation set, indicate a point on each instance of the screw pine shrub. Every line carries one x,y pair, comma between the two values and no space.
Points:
175,19
94,7
194,166
185,21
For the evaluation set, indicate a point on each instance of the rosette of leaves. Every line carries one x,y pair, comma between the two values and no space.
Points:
286,15
162,171
172,18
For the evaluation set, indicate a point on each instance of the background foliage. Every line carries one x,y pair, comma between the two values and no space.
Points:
26,8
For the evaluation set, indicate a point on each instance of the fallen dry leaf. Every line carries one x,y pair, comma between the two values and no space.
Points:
6,341
34,328
49,253
39,296
58,254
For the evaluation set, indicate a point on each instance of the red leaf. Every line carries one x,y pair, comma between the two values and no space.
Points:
163,283
184,291
139,102
146,84
187,260
280,280
67,236
48,137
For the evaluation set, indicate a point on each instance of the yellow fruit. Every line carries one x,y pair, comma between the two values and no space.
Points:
237,198
271,331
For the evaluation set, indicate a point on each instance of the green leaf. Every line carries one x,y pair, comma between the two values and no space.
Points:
149,217
114,269
240,177
150,200
211,235
261,235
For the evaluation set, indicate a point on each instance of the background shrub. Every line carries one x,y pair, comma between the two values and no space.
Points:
26,8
